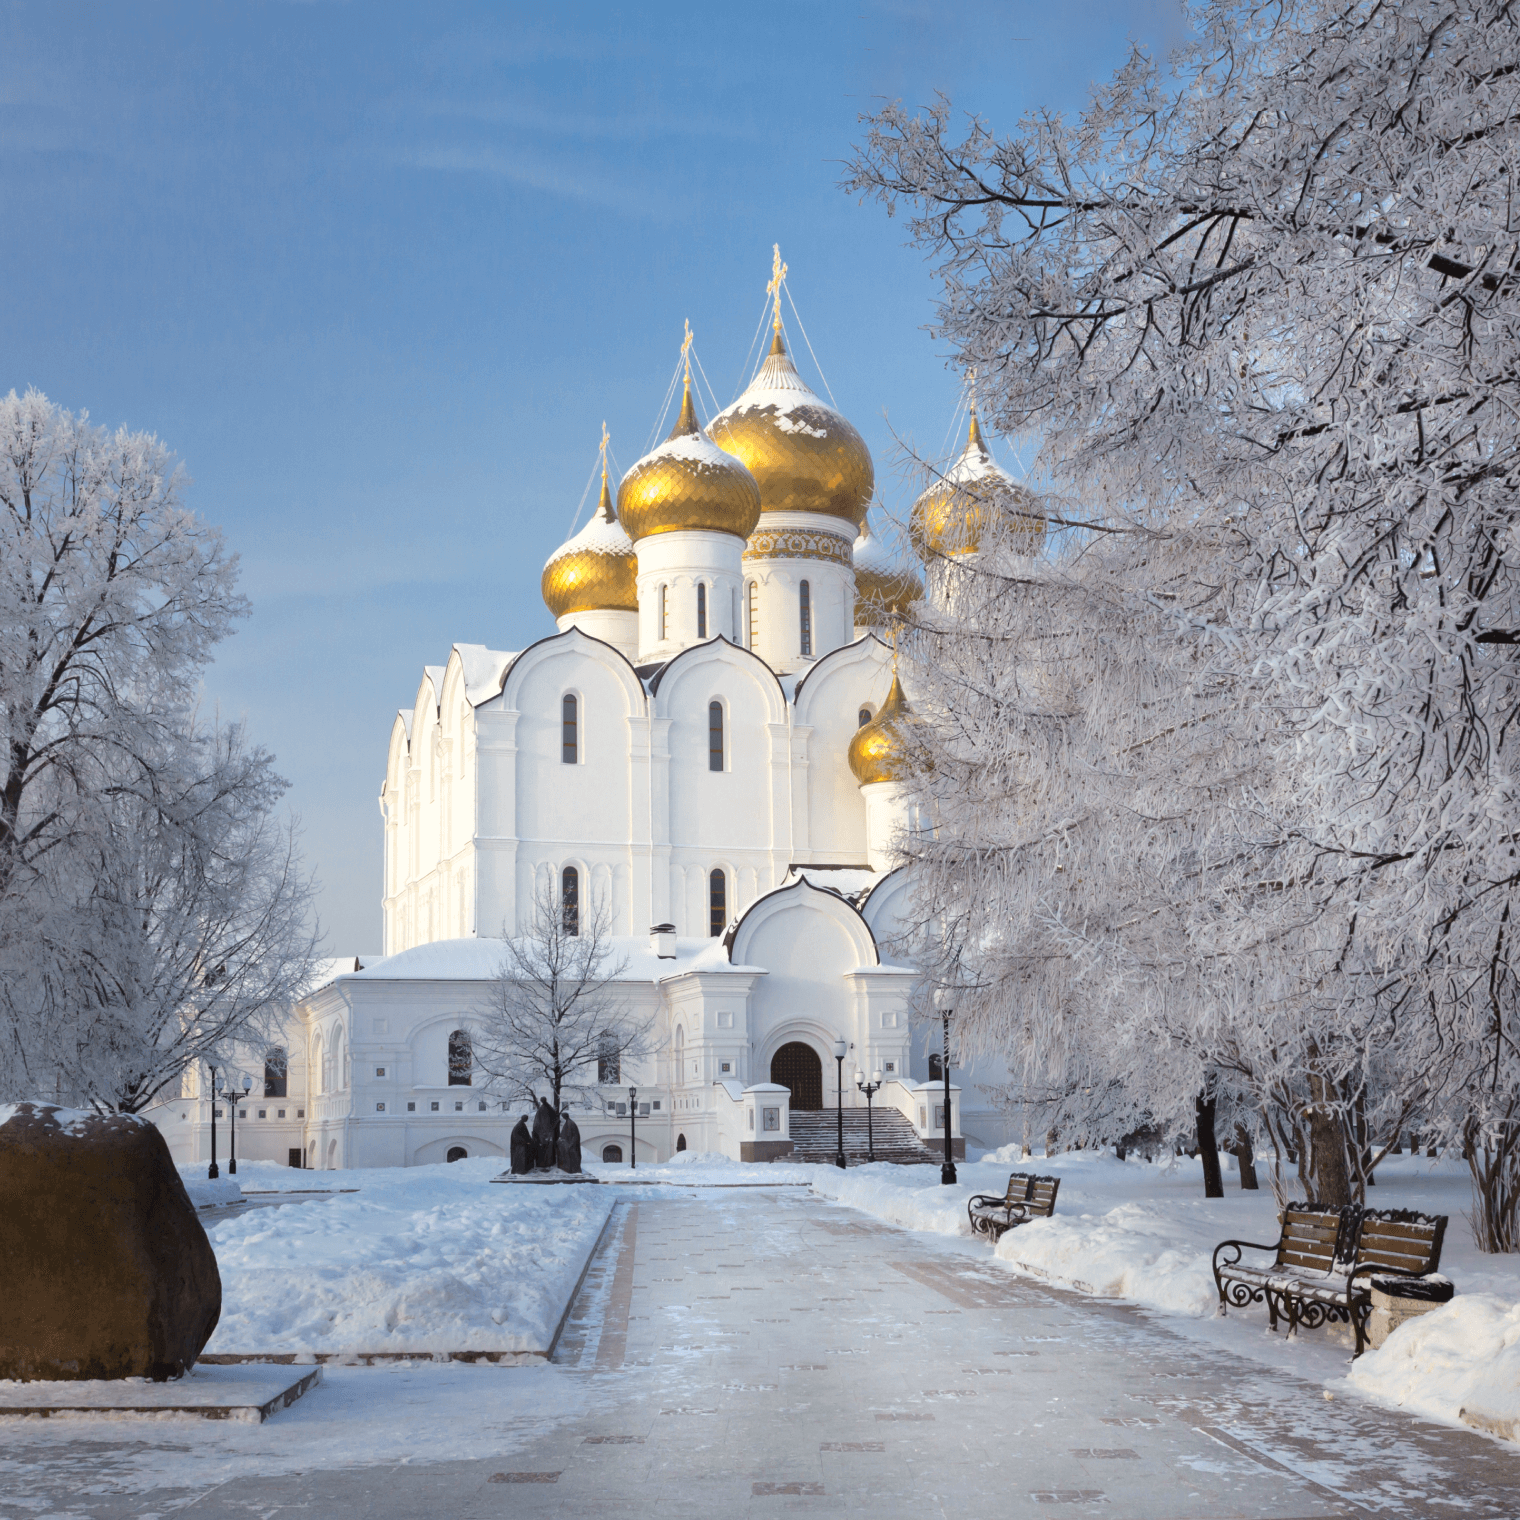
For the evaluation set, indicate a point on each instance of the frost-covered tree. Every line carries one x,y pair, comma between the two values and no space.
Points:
1235,766
554,1017
151,906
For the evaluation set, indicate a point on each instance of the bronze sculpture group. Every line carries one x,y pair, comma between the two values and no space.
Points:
554,1142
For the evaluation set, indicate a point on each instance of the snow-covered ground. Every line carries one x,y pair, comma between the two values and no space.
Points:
705,1169
1144,1232
419,1259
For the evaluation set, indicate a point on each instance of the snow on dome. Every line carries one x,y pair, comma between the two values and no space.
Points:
596,570
884,589
688,483
951,516
805,455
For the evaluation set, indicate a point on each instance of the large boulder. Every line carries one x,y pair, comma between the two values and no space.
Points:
105,1270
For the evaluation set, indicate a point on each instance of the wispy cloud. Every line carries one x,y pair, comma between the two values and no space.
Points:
536,171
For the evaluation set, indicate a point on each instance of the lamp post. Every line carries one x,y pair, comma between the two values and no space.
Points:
870,1089
840,1049
633,1113
947,1171
212,1171
232,1120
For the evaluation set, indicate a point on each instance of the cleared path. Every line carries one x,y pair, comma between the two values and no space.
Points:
771,1353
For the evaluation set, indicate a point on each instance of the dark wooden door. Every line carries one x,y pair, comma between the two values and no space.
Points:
796,1066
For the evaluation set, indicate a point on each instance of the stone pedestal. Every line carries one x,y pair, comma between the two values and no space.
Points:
1395,1300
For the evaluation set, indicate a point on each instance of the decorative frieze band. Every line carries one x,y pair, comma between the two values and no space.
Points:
797,543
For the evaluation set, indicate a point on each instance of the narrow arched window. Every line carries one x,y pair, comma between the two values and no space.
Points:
936,1067
662,612
276,1070
701,609
753,616
805,605
863,717
717,902
609,1062
570,899
715,736
570,730
461,1058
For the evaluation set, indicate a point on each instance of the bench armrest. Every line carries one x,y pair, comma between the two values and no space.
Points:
1238,1246
991,1201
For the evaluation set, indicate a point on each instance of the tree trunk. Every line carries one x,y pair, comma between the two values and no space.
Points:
1328,1179
1051,1136
1208,1148
1245,1157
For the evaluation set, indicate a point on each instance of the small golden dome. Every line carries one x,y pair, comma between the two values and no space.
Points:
876,749
596,570
883,590
805,455
952,515
688,482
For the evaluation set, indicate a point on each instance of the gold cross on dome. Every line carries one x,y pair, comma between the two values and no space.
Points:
686,349
606,436
778,274
971,381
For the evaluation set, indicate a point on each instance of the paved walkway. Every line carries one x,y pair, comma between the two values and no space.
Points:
772,1353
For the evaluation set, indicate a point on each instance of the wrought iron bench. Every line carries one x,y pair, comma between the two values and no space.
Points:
1028,1197
1323,1263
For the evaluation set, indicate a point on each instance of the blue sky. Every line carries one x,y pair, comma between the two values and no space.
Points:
379,272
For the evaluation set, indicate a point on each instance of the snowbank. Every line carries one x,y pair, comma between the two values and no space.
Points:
421,1259
1459,1362
210,1192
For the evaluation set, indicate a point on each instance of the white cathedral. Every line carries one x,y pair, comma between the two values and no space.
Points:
704,750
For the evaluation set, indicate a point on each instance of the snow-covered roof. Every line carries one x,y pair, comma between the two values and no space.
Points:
479,960
853,883
483,669
434,673
331,967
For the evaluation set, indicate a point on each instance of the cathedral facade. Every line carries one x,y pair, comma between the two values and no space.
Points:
702,754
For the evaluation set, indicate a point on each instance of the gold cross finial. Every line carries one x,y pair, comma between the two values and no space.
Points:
606,437
778,274
686,352
971,380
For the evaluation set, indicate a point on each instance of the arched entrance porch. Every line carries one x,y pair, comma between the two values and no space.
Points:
797,1066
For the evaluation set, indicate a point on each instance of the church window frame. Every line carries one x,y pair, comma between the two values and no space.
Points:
570,900
663,611
461,1069
752,616
805,619
276,1072
701,609
864,716
717,902
717,736
571,727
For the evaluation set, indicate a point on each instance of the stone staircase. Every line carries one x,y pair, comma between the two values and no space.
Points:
815,1137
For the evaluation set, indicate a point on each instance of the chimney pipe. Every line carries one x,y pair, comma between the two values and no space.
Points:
662,940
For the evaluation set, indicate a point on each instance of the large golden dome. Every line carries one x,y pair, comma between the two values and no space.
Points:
688,482
806,456
883,590
876,751
953,514
596,570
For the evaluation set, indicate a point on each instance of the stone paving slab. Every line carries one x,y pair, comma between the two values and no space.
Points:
773,1353
211,1393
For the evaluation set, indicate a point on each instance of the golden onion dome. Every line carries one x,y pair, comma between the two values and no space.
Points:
806,456
688,482
884,590
876,750
953,514
596,570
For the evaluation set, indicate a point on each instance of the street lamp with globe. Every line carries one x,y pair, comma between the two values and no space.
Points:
232,1120
213,1171
633,1143
840,1050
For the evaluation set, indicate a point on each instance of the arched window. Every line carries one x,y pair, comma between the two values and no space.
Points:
570,899
680,1142
936,1067
805,606
338,1082
276,1067
456,1153
609,1063
752,615
612,1153
662,612
717,902
864,717
461,1058
570,730
715,736
701,609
